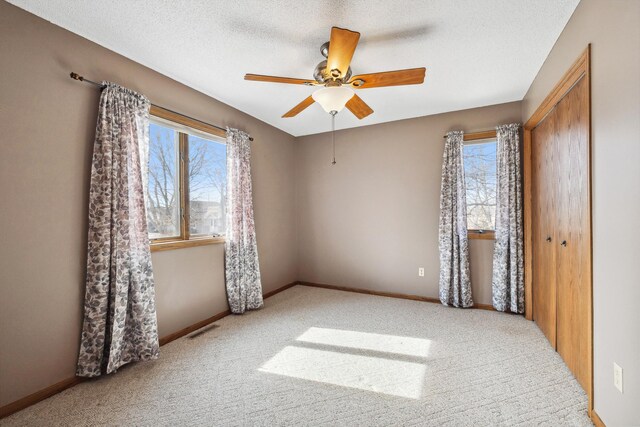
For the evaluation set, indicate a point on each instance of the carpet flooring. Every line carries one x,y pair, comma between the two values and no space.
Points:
322,357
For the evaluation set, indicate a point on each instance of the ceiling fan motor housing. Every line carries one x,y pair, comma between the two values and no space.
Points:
322,75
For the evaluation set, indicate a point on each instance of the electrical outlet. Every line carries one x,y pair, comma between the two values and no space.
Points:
421,272
617,376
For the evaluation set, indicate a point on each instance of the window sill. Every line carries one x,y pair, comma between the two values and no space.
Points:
179,244
485,235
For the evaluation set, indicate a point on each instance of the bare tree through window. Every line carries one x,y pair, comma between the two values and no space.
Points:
480,179
207,186
163,198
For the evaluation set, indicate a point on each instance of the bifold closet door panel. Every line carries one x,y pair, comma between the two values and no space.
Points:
573,244
544,199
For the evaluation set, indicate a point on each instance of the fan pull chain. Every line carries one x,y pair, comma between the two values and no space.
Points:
333,134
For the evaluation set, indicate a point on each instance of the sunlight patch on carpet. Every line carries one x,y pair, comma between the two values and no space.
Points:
380,375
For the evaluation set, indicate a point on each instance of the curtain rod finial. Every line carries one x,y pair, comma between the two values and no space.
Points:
76,76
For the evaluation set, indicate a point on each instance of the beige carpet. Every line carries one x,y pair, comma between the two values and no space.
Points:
321,357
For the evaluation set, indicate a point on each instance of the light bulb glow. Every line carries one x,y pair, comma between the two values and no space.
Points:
333,98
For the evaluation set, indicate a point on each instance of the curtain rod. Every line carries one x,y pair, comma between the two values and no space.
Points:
483,134
80,78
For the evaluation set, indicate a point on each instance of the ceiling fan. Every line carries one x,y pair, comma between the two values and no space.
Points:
334,74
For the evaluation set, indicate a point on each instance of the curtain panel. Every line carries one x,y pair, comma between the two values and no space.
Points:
508,259
455,279
242,269
120,323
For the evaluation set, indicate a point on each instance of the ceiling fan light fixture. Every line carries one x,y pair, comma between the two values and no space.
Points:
333,98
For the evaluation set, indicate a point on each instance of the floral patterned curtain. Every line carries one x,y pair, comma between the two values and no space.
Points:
455,280
508,262
242,269
120,323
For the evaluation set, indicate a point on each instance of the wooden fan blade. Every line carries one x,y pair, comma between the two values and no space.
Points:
341,47
275,79
412,76
358,107
298,108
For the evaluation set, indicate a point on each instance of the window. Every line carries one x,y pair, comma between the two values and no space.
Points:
479,158
187,182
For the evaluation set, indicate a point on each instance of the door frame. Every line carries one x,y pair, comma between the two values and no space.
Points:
581,68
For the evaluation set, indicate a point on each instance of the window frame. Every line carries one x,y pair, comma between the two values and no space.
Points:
185,240
478,137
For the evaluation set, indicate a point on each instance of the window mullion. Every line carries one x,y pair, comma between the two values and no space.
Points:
184,187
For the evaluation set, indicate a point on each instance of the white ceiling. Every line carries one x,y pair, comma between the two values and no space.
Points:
477,52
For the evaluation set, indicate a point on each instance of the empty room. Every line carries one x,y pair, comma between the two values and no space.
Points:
284,213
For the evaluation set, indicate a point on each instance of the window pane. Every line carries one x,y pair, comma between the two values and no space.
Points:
480,179
207,186
163,212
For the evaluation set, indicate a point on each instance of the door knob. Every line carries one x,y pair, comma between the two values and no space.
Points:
548,238
564,243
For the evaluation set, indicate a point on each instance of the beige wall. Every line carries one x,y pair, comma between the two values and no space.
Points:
47,125
613,29
371,220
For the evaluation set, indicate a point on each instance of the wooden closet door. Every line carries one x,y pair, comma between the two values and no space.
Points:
558,191
544,190
573,244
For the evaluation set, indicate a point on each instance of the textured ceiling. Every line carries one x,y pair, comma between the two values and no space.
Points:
477,52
